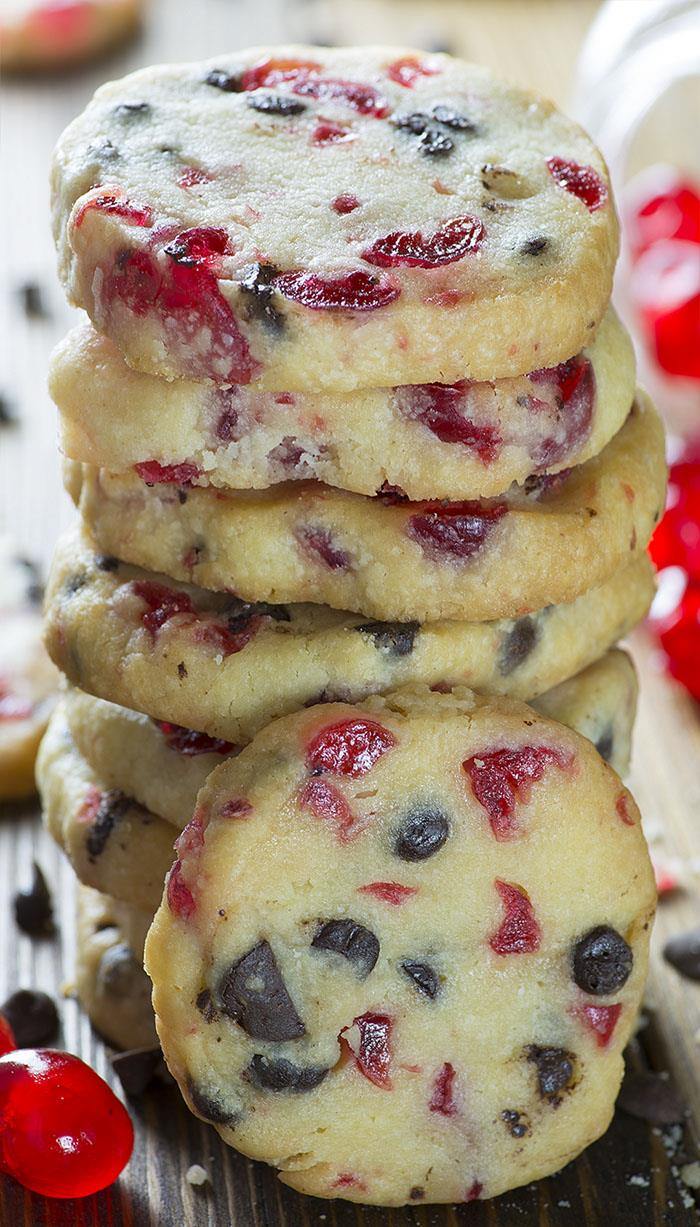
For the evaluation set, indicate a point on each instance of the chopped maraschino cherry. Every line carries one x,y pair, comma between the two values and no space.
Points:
320,545
161,603
679,635
63,1132
7,1039
156,474
501,778
443,1099
116,204
574,386
676,541
190,743
665,288
443,408
388,892
601,1020
345,203
180,898
369,1039
457,530
325,801
519,932
274,72
357,291
664,205
455,239
350,747
409,69
582,181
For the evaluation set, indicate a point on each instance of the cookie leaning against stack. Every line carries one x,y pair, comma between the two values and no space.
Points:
327,441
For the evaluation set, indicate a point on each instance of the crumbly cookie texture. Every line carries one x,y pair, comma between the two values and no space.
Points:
465,440
163,766
385,557
38,36
112,986
320,218
28,679
114,844
403,946
213,663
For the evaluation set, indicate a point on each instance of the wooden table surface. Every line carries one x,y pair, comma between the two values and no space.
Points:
629,1178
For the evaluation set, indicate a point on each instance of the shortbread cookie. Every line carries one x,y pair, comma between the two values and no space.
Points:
468,440
45,36
403,948
112,986
211,663
164,766
388,558
113,843
28,679
317,218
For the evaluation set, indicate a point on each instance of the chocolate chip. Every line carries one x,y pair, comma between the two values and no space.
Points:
33,1017
393,638
35,588
416,122
278,1074
239,613
601,961
132,110
351,940
112,807
33,908
517,1123
604,744
181,670
651,1097
230,83
205,1005
421,835
520,641
7,417
118,970
533,247
555,1069
181,496
137,1068
253,994
32,301
435,144
424,977
275,104
417,1193
683,953
453,119
107,562
210,1105
256,284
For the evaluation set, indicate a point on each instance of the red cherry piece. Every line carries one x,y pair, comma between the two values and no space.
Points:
356,291
670,211
89,809
180,898
667,880
225,640
155,474
574,385
274,72
162,603
350,747
601,1020
64,1132
237,807
319,543
443,408
191,838
458,530
443,1099
200,245
193,175
388,892
325,802
457,238
345,203
679,635
474,1192
676,541
348,1180
328,132
582,181
11,706
519,932
117,205
622,810
135,281
7,1039
190,743
364,99
501,778
373,1051
676,333
407,70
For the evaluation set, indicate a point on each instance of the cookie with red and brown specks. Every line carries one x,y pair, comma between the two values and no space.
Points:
464,440
386,557
333,218
403,947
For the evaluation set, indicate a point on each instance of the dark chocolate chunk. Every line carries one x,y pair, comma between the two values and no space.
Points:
424,977
516,1123
118,971
604,744
181,496
74,583
35,588
33,1017
416,122
210,1105
113,805
555,1069
393,638
518,644
205,1005
7,416
32,301
652,1097
182,670
421,835
453,119
683,953
230,83
256,284
277,1074
106,562
601,961
33,907
137,1068
417,1193
132,110
239,613
253,993
275,104
351,940
533,247
435,144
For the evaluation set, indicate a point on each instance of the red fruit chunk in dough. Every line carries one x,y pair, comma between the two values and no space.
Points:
455,530
574,384
409,69
443,409
225,640
369,1038
582,181
327,803
179,896
327,132
364,99
356,291
388,892
345,203
319,543
274,72
118,206
155,474
601,1020
349,747
443,1099
459,237
519,932
162,603
501,778
190,743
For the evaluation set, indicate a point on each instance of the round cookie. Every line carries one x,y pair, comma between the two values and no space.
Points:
164,766
113,843
111,984
206,661
403,947
46,37
28,679
386,216
469,440
385,557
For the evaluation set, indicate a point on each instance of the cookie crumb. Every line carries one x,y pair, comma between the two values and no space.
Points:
196,1175
690,1174
639,1182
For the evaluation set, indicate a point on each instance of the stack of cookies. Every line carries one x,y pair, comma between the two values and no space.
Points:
353,433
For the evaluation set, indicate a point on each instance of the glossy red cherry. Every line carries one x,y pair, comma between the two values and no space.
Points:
679,634
388,892
676,541
156,474
369,1039
444,410
455,239
501,778
7,1039
581,181
443,1099
356,291
161,603
665,206
408,70
117,204
519,932
455,530
63,1132
350,747
665,287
